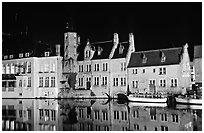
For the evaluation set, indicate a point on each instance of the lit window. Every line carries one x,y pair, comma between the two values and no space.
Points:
12,68
47,54
27,54
21,55
11,56
5,57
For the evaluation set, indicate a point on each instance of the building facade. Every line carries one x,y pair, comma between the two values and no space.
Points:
27,76
160,71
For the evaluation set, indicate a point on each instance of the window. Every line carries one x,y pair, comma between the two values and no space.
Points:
12,68
99,50
143,70
153,117
80,68
47,114
134,84
21,55
80,81
175,118
88,54
29,81
115,81
97,115
46,69
52,68
5,57
144,58
105,115
123,81
29,114
162,71
121,48
135,114
53,115
96,81
106,128
124,115
97,127
27,54
162,83
3,69
88,68
105,66
40,81
7,69
11,83
96,67
145,128
173,82
41,67
11,56
116,115
52,81
41,112
20,83
47,54
163,117
4,84
29,67
154,70
46,81
23,70
123,66
136,127
163,57
164,128
104,80
134,71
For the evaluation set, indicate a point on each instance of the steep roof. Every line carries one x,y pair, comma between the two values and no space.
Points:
105,50
154,57
198,51
123,54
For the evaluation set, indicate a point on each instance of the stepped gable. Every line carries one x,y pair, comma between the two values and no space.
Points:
118,54
153,57
104,47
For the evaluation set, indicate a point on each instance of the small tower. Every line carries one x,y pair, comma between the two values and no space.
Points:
71,42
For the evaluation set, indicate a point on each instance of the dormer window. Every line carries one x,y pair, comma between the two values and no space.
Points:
27,54
121,48
144,58
21,55
47,54
88,54
5,57
163,57
11,56
99,50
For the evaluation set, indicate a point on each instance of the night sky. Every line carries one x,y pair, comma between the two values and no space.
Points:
154,25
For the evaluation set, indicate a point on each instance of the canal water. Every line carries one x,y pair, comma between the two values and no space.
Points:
96,115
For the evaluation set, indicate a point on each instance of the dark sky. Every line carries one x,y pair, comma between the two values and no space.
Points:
155,25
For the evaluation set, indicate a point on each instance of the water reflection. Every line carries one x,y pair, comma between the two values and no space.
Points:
95,115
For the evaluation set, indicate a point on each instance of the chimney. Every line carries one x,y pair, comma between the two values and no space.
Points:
131,41
115,39
57,49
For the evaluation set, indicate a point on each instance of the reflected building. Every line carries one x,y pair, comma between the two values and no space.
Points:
29,115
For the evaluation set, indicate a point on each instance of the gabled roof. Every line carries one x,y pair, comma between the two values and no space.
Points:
116,55
172,55
198,51
106,50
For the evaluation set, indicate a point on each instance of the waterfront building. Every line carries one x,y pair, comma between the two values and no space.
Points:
26,75
197,63
160,71
101,66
